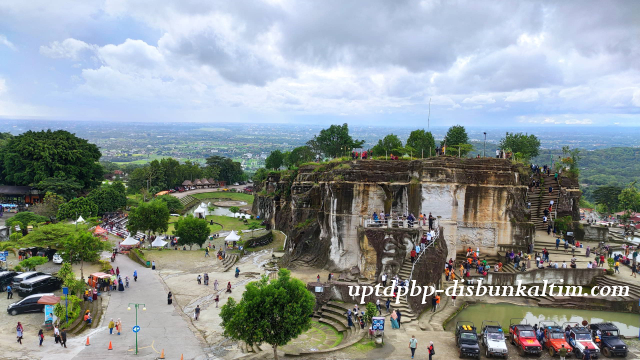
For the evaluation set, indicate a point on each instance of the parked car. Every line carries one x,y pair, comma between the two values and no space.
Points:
493,339
609,340
467,339
57,258
6,277
39,284
523,337
25,276
28,304
554,338
48,253
580,339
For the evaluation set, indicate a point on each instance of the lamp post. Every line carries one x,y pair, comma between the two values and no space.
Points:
137,328
485,145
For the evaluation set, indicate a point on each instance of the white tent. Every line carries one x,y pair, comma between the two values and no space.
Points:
233,236
159,242
201,211
80,220
129,241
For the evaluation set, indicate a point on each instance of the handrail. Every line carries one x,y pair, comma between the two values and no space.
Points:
432,243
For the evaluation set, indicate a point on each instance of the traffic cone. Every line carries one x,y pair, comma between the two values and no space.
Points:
161,354
87,344
110,346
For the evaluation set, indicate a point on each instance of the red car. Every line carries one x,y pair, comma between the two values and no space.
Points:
523,337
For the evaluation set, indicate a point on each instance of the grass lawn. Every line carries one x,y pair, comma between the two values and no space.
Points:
230,223
225,195
173,219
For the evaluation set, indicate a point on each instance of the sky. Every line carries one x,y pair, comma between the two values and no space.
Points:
379,62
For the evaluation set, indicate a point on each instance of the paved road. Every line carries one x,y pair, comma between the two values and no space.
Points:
162,326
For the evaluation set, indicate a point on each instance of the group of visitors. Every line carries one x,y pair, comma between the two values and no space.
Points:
357,155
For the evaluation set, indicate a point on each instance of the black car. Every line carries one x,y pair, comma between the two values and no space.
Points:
609,336
28,304
25,276
6,278
467,339
39,284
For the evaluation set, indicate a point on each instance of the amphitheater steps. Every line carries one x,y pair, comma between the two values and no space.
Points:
229,261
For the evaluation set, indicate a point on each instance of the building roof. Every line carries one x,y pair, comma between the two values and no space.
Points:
204,182
197,182
186,183
15,190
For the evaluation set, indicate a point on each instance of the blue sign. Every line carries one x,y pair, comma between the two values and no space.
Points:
65,291
377,323
136,329
3,257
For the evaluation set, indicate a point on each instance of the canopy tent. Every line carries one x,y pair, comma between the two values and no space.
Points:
233,236
159,242
99,231
49,300
80,220
202,211
129,241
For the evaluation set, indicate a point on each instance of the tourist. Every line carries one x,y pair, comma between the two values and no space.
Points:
387,304
215,285
453,298
169,298
318,278
431,219
394,320
566,246
217,299
432,350
19,332
229,287
550,189
112,324
349,320
586,355
237,271
135,275
562,352
413,343
196,312
153,265
206,279
9,292
616,267
588,251
413,255
63,337
206,252
564,265
384,279
378,307
117,271
118,326
399,317
329,277
601,260
126,279
56,334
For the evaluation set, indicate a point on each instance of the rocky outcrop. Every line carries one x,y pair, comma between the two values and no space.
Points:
323,208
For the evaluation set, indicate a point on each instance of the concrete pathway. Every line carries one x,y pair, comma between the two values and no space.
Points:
162,326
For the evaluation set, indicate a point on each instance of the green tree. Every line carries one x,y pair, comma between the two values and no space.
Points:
25,218
49,206
108,198
173,203
151,217
229,170
49,235
275,160
269,312
82,246
608,198
260,176
32,157
191,231
391,144
67,188
421,142
456,135
299,155
527,145
32,262
253,226
370,312
77,207
335,141
234,210
630,199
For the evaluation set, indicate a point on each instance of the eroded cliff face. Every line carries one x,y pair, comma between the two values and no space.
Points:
322,208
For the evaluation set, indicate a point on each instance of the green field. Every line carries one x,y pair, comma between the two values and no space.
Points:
228,223
225,195
173,219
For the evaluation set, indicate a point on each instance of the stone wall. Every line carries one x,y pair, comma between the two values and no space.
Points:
582,277
595,233
479,203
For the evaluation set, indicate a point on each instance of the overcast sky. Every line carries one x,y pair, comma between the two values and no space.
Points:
379,62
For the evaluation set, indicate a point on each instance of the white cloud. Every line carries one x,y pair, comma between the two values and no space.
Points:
479,99
3,86
636,98
528,95
4,41
69,48
574,92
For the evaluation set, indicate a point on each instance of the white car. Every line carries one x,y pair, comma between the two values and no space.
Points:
57,259
493,339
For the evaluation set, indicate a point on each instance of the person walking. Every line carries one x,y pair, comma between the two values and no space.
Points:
117,271
453,298
119,326
169,298
199,278
433,304
562,352
196,314
153,265
617,267
9,292
217,299
399,317
40,336
56,334
63,337
394,320
413,344
378,307
432,350
19,332
135,275
215,285
111,326
384,279
387,304
206,252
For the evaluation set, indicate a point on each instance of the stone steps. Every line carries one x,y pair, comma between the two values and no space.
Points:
229,261
432,321
609,280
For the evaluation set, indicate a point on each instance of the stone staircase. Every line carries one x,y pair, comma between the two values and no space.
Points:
540,198
433,321
614,280
95,308
229,261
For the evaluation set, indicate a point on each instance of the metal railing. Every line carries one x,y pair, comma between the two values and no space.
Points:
430,244
370,223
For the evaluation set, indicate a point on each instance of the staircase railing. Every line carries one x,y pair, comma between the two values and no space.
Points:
431,244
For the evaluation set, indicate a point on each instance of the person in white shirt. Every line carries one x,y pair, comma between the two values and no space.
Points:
564,265
589,265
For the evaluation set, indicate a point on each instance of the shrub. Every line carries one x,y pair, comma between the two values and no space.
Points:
611,263
15,236
74,309
105,266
